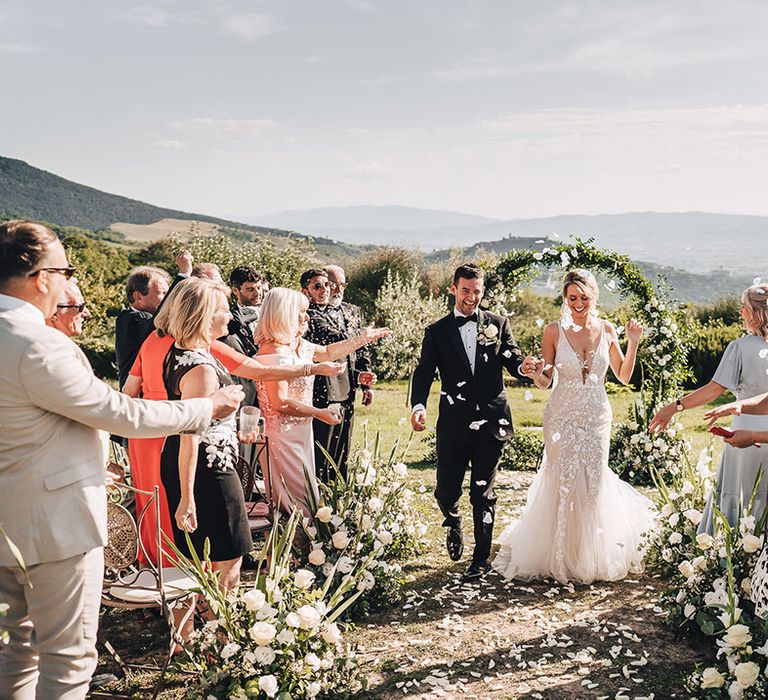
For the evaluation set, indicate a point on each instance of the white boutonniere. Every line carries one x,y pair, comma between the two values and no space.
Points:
488,333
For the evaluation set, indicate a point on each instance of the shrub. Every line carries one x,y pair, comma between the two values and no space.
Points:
707,345
400,306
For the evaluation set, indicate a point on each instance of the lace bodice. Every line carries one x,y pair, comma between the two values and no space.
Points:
299,388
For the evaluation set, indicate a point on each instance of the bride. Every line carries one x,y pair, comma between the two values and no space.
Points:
581,523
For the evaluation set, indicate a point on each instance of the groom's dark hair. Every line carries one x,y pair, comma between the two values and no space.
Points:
468,271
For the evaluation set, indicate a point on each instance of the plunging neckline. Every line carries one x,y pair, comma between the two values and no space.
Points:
593,352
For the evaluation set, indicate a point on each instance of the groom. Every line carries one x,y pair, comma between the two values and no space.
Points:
469,347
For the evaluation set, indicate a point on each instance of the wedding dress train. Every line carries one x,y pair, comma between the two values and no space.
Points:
581,523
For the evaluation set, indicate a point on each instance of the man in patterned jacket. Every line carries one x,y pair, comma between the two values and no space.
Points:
331,320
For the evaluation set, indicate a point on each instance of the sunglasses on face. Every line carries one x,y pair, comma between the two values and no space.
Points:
317,286
68,272
80,307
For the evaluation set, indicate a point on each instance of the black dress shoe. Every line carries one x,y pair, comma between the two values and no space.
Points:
476,570
454,542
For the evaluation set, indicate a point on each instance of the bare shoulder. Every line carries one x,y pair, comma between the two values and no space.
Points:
551,329
610,330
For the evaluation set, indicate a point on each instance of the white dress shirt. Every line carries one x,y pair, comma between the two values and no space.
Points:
468,335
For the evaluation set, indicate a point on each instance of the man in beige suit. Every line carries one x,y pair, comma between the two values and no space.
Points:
52,497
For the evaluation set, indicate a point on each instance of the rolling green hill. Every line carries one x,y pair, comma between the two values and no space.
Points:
29,192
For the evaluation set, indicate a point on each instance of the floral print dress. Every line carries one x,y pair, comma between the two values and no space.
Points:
219,501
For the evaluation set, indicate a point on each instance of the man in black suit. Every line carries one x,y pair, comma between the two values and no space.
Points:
469,347
145,290
332,321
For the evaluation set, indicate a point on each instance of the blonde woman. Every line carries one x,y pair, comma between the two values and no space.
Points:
287,405
742,370
205,497
581,522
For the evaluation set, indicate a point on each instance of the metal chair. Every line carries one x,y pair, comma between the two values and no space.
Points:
252,479
129,586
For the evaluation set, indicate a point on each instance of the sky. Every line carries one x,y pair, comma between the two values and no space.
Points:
505,108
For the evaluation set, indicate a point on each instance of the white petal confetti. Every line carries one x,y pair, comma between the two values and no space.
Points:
460,384
756,280
487,518
528,395
481,483
539,322
611,285
763,353
475,424
556,437
502,432
507,353
449,399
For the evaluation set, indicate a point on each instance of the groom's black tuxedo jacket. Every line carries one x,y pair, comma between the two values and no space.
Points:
462,392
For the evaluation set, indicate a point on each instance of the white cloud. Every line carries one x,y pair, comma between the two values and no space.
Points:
170,144
19,48
369,170
225,128
151,15
250,27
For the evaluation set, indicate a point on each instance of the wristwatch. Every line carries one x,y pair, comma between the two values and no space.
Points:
679,405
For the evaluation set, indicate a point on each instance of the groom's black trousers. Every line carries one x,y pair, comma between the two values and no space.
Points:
457,449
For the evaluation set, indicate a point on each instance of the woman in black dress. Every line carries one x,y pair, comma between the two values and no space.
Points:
198,471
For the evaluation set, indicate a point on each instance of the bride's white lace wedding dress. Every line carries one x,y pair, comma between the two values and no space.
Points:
581,523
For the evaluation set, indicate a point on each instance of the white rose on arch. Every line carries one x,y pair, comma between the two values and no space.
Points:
751,543
491,331
746,673
712,678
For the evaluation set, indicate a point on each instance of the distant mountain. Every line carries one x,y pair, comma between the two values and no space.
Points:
379,218
27,191
696,241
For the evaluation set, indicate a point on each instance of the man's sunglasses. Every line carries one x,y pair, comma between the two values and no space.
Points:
68,272
317,286
79,307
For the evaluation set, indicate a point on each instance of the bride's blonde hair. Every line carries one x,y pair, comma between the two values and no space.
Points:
584,280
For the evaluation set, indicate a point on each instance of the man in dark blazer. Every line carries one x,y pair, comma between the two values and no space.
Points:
469,347
329,323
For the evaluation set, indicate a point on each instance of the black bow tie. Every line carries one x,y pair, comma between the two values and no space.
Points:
461,320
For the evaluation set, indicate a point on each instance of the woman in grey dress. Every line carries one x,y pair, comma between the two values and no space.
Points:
743,370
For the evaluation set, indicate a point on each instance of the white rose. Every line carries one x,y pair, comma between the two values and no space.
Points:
737,636
491,331
746,585
686,569
687,488
693,515
716,597
312,660
751,543
309,618
746,673
292,619
268,684
673,519
287,637
675,538
704,540
317,557
667,555
375,504
712,678
385,537
254,600
263,633
313,689
324,514
401,471
264,655
689,610
681,595
229,650
340,539
345,564
331,633
303,578
700,563
366,522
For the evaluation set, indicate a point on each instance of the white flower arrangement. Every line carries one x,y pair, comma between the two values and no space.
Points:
372,527
708,583
279,636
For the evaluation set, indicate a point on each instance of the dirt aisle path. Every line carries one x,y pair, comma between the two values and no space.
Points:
500,639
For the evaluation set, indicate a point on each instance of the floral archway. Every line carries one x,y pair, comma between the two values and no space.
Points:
663,361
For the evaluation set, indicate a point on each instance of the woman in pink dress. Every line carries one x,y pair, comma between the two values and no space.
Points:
287,405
